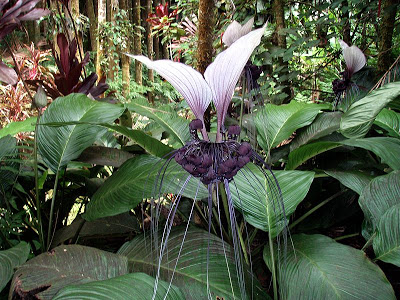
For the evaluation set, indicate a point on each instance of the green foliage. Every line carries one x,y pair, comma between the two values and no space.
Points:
317,267
60,145
137,179
191,268
10,259
66,265
138,285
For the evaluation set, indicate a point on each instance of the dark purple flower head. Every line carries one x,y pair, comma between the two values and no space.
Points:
214,163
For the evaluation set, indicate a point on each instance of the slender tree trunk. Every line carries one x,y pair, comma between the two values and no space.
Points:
346,28
388,13
113,55
150,51
156,43
278,8
125,60
101,18
92,25
205,42
137,41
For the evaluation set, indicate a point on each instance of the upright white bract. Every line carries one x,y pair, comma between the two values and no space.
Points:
236,31
354,58
219,79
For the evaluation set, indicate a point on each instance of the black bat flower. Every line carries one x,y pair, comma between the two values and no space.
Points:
214,163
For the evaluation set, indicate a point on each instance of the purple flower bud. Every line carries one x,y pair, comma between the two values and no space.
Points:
244,148
189,168
196,124
230,163
234,130
202,171
242,161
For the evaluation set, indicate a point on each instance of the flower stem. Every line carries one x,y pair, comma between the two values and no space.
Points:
37,196
368,242
226,208
242,102
239,230
52,210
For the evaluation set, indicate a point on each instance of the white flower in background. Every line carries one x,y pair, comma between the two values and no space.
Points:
236,31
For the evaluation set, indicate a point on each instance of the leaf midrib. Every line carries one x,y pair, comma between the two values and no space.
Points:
320,270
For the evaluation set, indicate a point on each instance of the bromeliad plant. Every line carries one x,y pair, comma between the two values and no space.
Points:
215,163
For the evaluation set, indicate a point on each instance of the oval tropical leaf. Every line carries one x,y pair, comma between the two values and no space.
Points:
358,119
305,152
317,267
386,148
276,123
148,143
390,121
255,201
379,196
166,117
49,272
324,124
135,181
138,286
59,145
8,166
17,127
191,271
354,180
10,259
387,240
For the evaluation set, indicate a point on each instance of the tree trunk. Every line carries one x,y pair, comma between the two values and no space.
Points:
137,40
150,54
346,27
278,8
205,42
112,54
93,24
156,43
388,13
125,60
101,18
75,11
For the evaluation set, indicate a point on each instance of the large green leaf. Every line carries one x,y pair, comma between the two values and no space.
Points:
317,267
8,166
390,121
17,127
358,119
305,152
148,143
386,148
276,123
387,240
135,181
138,286
191,271
324,124
59,145
66,265
354,180
10,259
379,196
252,194
166,117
